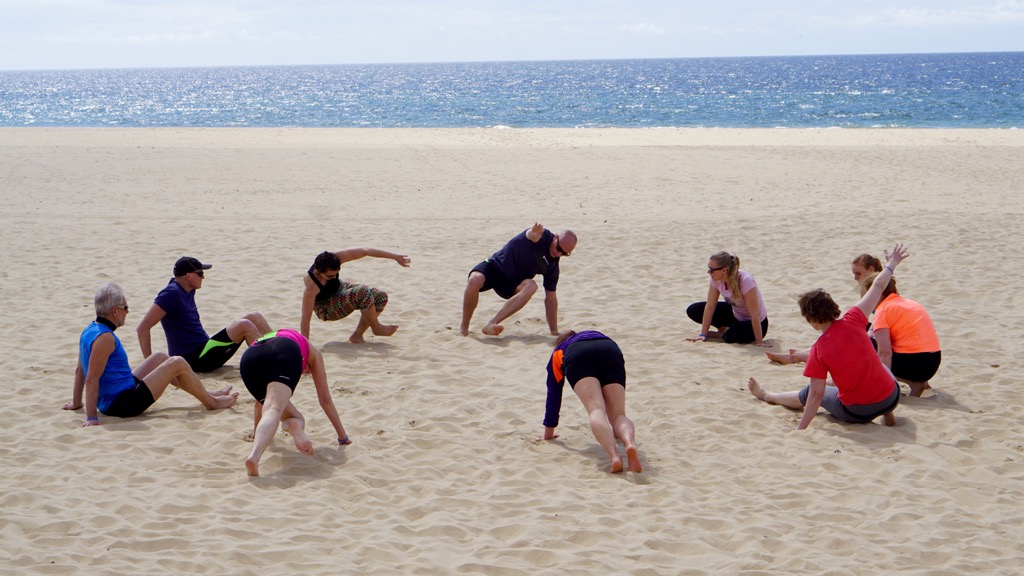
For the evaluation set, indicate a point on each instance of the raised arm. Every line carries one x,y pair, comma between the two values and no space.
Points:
350,254
323,393
870,299
145,327
535,232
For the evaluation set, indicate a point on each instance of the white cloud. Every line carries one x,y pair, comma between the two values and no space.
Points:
644,29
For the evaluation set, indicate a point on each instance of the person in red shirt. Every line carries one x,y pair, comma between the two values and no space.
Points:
862,387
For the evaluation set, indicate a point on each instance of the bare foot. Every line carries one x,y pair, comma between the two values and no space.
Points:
252,466
918,388
356,339
789,358
492,329
616,464
756,390
223,392
302,442
889,419
464,330
633,460
220,402
385,330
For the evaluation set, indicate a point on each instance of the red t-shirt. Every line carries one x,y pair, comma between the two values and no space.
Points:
844,351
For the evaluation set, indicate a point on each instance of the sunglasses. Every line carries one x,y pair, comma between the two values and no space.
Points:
199,273
713,270
125,308
558,248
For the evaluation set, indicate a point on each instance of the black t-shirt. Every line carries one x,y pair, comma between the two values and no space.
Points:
520,259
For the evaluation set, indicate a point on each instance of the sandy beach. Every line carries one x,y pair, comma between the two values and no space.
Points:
446,475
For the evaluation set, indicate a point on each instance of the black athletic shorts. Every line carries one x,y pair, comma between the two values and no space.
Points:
599,359
273,360
214,354
131,402
494,279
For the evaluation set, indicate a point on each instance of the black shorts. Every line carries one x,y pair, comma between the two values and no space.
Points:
494,279
131,402
599,359
919,367
272,360
212,355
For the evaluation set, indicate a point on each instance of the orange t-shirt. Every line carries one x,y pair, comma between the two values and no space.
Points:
910,328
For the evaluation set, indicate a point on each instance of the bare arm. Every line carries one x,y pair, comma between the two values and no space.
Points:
754,307
323,392
814,397
709,313
308,297
153,315
102,348
870,299
350,254
551,311
884,341
76,389
535,232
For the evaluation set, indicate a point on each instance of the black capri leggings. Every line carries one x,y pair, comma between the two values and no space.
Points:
739,331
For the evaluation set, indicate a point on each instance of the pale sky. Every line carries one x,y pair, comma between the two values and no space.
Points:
59,34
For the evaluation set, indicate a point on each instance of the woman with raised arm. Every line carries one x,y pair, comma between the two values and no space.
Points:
863,388
271,368
742,318
592,364
332,299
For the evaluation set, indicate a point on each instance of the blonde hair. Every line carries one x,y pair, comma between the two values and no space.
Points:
732,264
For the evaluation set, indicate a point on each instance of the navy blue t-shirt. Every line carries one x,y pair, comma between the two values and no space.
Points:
181,323
520,259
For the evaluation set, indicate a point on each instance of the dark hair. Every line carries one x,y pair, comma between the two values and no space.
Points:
818,306
868,262
326,261
868,280
562,337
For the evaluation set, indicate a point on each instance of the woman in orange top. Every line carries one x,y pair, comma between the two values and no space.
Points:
906,338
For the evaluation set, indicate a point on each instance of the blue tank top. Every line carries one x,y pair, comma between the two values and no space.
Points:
117,375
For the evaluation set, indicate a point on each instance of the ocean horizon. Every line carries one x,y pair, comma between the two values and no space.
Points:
957,90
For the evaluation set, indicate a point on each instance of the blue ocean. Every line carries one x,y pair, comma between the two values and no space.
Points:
976,90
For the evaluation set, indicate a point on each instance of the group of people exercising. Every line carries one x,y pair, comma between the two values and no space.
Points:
864,381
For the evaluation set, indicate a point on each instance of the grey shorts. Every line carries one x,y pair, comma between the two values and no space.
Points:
854,413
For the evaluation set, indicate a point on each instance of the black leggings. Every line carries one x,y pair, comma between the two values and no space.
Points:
919,367
739,331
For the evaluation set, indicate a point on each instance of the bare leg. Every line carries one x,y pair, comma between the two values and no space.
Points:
243,330
889,419
293,423
787,399
470,299
525,291
917,388
791,358
589,392
278,398
615,401
175,370
368,320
